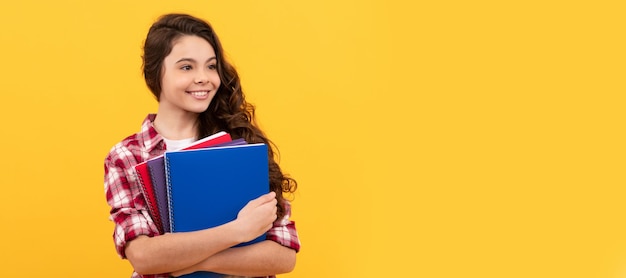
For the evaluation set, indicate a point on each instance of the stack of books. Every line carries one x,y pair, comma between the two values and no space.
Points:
204,185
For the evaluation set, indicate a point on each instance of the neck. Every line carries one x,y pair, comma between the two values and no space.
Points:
176,126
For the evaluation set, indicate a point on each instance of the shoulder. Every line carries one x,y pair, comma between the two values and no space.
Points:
127,151
135,147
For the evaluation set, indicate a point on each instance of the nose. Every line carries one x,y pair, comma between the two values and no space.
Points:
201,77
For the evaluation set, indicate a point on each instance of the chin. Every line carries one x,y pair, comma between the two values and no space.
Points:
198,108
198,111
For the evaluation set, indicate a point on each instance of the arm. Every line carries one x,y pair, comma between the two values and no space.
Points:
273,256
169,252
175,251
261,259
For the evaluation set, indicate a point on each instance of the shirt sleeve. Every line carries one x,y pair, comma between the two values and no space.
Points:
284,230
127,204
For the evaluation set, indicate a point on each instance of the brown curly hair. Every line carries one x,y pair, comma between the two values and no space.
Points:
228,110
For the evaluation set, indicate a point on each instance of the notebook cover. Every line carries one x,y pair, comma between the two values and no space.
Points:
157,175
217,138
208,187
144,177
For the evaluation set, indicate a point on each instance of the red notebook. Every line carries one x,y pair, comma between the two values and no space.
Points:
147,188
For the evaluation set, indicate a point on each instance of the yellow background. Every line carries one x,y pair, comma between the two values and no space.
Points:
429,138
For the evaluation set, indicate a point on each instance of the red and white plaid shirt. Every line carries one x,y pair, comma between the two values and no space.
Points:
128,206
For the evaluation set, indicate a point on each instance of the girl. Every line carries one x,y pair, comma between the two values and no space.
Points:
199,94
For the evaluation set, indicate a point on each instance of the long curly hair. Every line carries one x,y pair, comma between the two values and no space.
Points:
228,110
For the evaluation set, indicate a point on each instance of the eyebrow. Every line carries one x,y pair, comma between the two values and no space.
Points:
193,60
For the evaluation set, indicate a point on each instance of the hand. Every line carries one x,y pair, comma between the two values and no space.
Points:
257,217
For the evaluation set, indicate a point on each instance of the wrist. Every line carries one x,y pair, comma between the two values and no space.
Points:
236,231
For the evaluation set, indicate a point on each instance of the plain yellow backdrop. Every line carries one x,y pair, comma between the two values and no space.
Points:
429,138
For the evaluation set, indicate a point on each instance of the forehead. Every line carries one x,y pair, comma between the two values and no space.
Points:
192,47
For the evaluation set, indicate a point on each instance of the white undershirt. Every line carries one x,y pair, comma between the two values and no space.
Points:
174,145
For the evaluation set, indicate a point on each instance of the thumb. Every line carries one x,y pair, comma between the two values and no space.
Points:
263,199
269,196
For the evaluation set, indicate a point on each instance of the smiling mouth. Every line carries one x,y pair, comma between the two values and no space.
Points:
199,93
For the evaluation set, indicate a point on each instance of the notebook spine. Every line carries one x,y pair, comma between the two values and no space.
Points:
169,192
161,224
144,191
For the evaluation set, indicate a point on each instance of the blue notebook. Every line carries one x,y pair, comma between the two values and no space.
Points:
159,184
208,187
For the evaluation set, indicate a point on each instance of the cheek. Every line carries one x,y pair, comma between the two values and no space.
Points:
215,79
166,81
172,85
174,82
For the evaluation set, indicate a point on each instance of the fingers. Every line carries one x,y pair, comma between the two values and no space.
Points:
258,216
269,196
268,207
263,199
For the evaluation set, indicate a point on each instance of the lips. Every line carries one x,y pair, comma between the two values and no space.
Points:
199,94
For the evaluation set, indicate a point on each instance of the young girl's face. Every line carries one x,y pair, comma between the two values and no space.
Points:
190,78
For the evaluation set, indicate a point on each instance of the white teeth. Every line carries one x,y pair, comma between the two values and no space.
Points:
200,94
